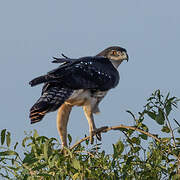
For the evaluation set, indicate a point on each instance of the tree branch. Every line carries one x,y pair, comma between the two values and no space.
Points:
106,129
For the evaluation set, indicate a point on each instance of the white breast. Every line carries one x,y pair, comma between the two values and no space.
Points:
79,98
86,98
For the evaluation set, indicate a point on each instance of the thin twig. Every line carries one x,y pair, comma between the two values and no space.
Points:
171,131
178,165
85,152
106,129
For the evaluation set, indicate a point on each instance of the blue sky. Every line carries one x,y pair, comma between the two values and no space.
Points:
31,32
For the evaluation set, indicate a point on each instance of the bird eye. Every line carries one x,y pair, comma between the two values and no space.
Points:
114,53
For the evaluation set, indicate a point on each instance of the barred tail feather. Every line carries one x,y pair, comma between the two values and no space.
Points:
50,100
38,111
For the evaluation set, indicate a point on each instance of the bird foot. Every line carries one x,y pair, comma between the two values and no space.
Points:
97,132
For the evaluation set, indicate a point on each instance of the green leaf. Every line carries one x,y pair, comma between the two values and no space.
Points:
55,159
88,170
168,108
118,148
131,114
178,130
5,176
165,129
42,139
12,161
158,94
3,132
129,159
144,127
46,151
175,152
75,176
130,132
160,117
167,96
135,140
44,174
15,145
166,139
114,150
136,149
143,136
29,159
13,168
39,167
35,135
151,114
76,164
69,138
8,139
24,141
151,98
8,153
171,99
86,141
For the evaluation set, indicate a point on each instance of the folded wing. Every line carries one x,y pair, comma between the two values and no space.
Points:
84,73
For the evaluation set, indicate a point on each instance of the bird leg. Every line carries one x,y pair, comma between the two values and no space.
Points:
62,120
92,126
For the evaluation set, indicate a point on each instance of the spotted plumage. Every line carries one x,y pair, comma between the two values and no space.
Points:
82,82
83,73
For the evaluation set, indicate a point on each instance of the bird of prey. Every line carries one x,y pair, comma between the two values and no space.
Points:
77,82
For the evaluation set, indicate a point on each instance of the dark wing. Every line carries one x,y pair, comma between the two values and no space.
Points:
62,60
83,73
52,97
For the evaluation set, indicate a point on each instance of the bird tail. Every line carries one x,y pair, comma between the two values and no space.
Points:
38,80
50,100
38,111
61,60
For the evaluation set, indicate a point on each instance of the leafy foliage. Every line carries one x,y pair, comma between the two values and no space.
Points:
131,157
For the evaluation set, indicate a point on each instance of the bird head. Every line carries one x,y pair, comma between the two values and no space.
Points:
115,54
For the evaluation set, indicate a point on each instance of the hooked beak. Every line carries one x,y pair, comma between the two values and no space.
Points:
127,57
124,56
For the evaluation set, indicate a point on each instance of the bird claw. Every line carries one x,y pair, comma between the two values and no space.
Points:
98,136
97,132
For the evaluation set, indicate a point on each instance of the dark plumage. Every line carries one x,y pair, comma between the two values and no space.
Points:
82,82
82,73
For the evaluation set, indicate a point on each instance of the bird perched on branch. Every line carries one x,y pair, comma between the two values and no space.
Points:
77,82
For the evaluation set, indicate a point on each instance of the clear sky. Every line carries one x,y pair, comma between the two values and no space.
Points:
31,32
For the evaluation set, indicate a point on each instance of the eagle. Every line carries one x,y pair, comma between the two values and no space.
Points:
77,82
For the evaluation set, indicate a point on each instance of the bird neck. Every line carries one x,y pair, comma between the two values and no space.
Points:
115,63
